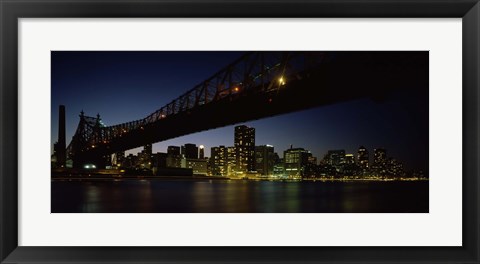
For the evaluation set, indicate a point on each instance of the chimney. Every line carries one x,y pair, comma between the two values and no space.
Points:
61,147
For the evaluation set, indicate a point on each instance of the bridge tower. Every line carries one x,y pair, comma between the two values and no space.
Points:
85,141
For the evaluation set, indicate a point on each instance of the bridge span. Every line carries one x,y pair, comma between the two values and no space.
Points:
255,86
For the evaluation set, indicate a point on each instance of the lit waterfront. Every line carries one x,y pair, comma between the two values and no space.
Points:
236,196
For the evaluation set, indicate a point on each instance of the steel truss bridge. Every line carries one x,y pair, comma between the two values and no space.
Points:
257,85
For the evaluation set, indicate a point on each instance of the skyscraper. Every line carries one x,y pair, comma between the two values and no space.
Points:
190,151
295,161
350,168
201,152
174,159
264,159
379,161
231,161
218,160
336,158
147,149
245,148
119,158
362,157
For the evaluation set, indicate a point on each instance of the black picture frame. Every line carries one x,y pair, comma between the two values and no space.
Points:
12,10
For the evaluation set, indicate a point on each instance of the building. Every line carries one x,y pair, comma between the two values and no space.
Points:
362,158
379,156
147,149
218,161
145,157
201,152
244,142
231,161
118,158
311,168
198,166
393,168
349,159
174,158
264,159
130,161
190,151
379,165
336,158
279,170
295,160
159,161
350,168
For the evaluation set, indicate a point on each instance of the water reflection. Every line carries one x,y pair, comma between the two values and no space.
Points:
220,196
93,201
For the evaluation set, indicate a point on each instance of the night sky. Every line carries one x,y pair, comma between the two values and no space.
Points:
126,86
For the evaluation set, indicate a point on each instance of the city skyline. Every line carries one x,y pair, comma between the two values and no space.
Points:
399,123
371,155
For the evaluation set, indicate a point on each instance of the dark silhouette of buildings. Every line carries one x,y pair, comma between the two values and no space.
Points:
190,151
244,142
264,159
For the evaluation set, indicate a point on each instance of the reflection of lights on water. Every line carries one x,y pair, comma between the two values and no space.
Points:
89,166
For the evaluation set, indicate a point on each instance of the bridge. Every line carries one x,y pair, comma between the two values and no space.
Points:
255,86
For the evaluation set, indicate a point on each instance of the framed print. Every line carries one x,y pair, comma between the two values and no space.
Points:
175,132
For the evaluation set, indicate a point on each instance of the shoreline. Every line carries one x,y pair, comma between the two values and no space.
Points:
116,178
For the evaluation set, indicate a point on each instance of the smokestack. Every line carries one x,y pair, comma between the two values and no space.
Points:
61,147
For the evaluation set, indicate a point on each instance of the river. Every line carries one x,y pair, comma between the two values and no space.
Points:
238,196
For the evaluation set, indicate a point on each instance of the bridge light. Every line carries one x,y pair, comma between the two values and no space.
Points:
236,89
281,81
93,146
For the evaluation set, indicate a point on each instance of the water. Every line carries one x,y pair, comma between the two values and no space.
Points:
236,196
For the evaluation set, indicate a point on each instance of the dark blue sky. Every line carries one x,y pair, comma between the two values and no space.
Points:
125,86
